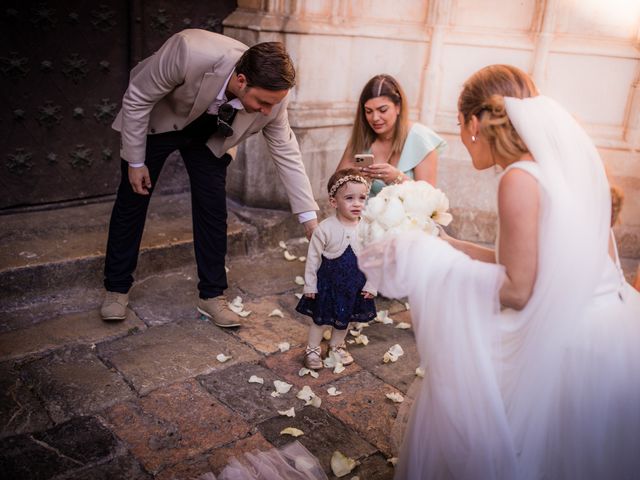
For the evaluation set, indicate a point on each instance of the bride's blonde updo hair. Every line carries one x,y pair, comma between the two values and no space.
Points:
483,96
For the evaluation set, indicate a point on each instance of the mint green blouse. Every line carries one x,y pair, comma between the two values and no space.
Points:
420,141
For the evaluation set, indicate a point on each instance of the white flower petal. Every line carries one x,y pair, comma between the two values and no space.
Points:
276,312
406,305
341,465
420,372
244,313
314,401
298,295
362,340
237,301
333,392
282,244
255,379
221,357
284,346
383,317
302,259
393,461
294,432
403,325
299,280
306,393
395,397
288,256
282,387
226,269
288,413
393,354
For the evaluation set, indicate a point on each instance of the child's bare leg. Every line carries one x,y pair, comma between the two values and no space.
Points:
312,354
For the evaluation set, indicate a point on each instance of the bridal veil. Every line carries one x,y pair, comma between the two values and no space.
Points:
551,391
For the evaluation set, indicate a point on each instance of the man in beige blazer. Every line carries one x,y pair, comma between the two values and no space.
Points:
201,93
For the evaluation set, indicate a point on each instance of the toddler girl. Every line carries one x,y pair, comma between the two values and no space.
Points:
336,291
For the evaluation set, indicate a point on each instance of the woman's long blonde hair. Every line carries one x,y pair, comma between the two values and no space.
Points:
362,135
483,96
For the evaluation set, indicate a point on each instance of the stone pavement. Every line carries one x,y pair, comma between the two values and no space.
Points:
147,398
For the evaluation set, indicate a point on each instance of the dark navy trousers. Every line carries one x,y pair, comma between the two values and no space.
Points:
207,177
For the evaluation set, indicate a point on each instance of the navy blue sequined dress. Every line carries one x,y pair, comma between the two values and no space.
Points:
339,299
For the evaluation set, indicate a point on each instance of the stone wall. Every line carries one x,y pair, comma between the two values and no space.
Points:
582,52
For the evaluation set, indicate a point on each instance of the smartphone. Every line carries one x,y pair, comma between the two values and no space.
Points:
363,159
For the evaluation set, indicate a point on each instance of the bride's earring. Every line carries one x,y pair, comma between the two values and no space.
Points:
473,138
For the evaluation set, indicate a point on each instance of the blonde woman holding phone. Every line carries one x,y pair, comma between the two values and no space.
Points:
402,150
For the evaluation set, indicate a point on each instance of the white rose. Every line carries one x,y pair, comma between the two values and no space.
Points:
393,214
374,207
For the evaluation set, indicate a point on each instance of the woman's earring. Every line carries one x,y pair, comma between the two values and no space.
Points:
473,138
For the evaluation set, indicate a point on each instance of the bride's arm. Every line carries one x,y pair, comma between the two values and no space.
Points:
518,206
477,252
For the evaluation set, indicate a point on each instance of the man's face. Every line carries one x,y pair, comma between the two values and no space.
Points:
256,99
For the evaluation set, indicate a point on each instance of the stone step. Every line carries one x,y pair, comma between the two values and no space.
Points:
59,250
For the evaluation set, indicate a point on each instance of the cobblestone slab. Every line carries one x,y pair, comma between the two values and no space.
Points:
265,333
288,364
173,424
401,373
174,352
251,400
265,274
20,411
214,461
74,382
77,328
66,447
364,407
323,434
375,467
124,467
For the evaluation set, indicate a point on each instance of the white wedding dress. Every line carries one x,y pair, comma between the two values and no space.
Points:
548,392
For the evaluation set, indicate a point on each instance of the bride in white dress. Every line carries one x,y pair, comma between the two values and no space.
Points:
531,351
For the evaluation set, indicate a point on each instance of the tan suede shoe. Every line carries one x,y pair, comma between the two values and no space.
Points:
114,306
217,310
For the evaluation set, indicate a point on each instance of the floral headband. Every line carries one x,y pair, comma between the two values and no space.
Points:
349,178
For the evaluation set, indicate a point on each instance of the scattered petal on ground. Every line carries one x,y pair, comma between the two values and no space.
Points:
294,432
333,361
408,307
341,465
362,339
420,372
276,312
403,325
282,387
282,244
288,413
333,392
284,346
395,397
383,317
226,269
306,371
237,307
288,256
306,393
255,379
393,354
298,295
221,357
392,461
302,259
299,280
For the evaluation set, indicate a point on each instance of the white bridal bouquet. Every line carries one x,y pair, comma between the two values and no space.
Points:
401,208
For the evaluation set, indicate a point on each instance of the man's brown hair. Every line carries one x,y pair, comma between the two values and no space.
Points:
267,65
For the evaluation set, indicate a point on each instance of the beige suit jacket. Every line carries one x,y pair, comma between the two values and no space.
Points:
176,85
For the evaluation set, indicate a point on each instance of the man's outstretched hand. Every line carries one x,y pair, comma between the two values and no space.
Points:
140,180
